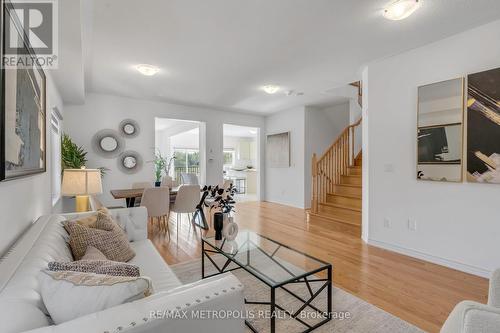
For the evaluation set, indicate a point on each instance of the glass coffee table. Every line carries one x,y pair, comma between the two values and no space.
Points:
276,265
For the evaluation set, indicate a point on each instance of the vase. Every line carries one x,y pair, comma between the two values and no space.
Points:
167,181
230,229
157,184
218,225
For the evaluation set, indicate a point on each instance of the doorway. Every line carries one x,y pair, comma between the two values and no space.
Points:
241,160
181,140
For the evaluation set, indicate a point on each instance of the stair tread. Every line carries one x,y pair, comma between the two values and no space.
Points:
352,196
336,219
349,185
341,206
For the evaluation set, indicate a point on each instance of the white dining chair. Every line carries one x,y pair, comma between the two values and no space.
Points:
189,179
157,202
141,185
188,197
95,204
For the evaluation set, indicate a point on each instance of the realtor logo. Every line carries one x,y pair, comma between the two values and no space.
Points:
30,34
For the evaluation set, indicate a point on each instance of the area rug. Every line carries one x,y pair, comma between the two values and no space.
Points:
350,313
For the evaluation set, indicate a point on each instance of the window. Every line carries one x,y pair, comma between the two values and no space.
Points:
187,161
55,158
229,157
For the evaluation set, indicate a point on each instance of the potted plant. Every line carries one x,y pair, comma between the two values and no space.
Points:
74,156
223,199
159,163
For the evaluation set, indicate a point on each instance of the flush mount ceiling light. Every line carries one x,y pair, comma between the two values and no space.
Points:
401,9
271,89
148,70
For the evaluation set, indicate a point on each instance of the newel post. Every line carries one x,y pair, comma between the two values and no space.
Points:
314,169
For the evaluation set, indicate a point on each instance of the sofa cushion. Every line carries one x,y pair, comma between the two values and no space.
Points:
69,295
107,237
42,243
152,264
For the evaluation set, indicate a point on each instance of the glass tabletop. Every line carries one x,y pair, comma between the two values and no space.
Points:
270,261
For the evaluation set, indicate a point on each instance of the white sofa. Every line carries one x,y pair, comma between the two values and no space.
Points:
473,317
22,309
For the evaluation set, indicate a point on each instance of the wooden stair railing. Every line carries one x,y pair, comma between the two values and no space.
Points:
334,163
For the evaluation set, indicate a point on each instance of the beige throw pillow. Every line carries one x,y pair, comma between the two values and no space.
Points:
91,220
107,237
93,254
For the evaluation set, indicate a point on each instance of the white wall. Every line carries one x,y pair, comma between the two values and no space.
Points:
23,200
457,224
286,185
322,127
105,111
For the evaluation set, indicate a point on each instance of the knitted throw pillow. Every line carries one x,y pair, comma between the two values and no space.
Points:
107,237
106,267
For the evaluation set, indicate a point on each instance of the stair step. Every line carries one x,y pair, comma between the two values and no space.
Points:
352,180
354,171
345,189
341,206
345,215
333,224
347,201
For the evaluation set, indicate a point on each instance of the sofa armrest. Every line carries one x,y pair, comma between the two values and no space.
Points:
134,221
472,317
494,291
212,305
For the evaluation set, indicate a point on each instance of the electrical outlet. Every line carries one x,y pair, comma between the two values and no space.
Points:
387,223
412,224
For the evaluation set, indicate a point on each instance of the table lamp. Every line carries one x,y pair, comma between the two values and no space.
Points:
81,183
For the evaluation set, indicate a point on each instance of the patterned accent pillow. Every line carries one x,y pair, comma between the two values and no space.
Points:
105,267
69,295
107,237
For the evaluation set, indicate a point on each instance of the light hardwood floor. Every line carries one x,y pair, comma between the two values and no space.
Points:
414,290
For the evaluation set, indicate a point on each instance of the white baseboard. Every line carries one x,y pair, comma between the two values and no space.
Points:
433,259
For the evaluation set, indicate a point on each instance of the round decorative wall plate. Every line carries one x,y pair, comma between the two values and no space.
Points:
130,162
129,128
108,143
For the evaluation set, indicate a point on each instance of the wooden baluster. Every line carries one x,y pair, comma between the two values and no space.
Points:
314,198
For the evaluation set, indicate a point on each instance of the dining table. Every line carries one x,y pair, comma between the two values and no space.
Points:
130,194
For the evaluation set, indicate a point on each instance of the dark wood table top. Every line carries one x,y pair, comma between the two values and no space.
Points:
135,192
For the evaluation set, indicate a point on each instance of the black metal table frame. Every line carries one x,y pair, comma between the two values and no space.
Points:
303,278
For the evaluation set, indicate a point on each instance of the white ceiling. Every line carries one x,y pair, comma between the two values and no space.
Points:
218,53
240,131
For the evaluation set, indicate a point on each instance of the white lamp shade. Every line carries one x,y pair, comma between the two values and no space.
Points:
81,182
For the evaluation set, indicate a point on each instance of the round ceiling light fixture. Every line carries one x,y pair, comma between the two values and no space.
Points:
401,9
148,70
271,89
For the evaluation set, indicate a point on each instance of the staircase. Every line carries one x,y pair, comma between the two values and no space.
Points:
336,185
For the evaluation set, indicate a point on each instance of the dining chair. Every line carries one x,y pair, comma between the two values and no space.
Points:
95,204
189,179
188,197
157,202
141,185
